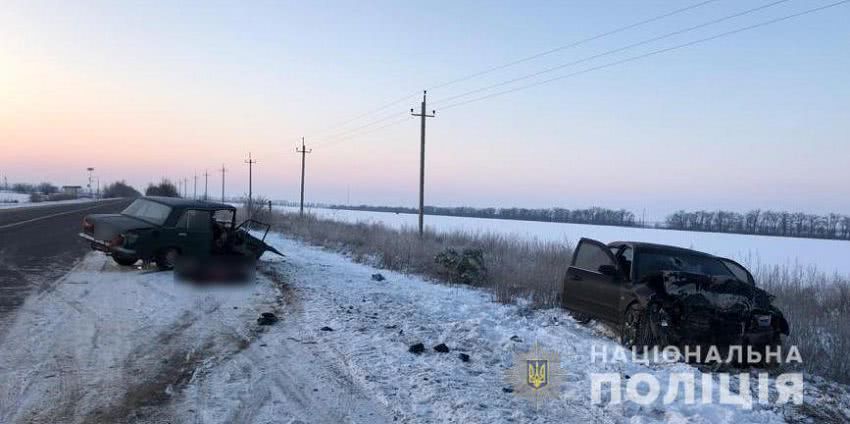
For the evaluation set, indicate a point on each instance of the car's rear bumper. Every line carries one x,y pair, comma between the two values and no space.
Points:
103,246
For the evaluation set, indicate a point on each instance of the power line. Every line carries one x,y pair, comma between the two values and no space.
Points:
518,61
571,45
612,51
344,133
652,53
585,59
373,111
353,136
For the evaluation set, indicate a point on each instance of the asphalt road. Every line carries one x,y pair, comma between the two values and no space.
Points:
40,244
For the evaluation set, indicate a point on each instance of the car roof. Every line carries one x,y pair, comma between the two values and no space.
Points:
653,246
178,202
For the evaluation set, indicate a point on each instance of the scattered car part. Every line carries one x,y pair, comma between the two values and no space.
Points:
416,349
267,318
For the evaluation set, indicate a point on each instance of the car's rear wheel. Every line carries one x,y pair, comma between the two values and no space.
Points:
167,258
124,260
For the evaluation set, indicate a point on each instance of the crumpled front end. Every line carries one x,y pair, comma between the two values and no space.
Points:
717,310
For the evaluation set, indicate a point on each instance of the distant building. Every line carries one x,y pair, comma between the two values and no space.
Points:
72,190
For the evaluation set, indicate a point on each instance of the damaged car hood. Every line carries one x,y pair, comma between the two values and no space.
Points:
726,294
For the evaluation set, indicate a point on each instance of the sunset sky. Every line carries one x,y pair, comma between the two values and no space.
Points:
142,90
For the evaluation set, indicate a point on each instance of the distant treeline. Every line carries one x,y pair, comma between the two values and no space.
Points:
790,224
116,189
762,222
597,216
26,188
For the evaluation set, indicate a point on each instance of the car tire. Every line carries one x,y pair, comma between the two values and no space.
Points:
166,258
124,260
635,330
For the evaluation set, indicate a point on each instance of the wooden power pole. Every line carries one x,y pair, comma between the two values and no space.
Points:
223,171
303,150
250,163
422,115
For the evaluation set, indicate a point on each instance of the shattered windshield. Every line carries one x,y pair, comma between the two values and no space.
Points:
652,262
147,210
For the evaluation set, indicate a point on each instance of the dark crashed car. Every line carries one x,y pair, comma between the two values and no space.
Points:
661,295
165,229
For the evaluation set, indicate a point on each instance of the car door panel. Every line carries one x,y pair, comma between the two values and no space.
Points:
586,289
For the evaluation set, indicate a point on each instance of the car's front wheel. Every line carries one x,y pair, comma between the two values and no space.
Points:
635,330
642,327
124,260
167,258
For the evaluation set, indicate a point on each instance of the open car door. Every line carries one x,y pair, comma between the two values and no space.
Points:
248,240
592,283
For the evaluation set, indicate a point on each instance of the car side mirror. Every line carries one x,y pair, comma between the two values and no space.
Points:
609,270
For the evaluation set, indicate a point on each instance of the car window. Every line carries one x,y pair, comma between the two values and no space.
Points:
590,257
739,271
652,262
625,258
224,217
147,210
194,220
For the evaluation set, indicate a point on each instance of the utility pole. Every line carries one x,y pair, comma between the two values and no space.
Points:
91,193
206,183
422,115
195,194
250,196
303,150
223,171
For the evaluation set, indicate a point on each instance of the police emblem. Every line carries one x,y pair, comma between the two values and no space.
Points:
535,374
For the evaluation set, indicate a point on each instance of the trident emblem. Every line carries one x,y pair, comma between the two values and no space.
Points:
538,375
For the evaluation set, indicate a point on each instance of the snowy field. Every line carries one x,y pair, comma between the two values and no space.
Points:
112,344
828,256
9,200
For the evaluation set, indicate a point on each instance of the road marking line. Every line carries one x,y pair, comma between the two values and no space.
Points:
15,224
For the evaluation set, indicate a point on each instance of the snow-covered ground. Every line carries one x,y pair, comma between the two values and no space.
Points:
12,197
826,255
111,344
10,200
